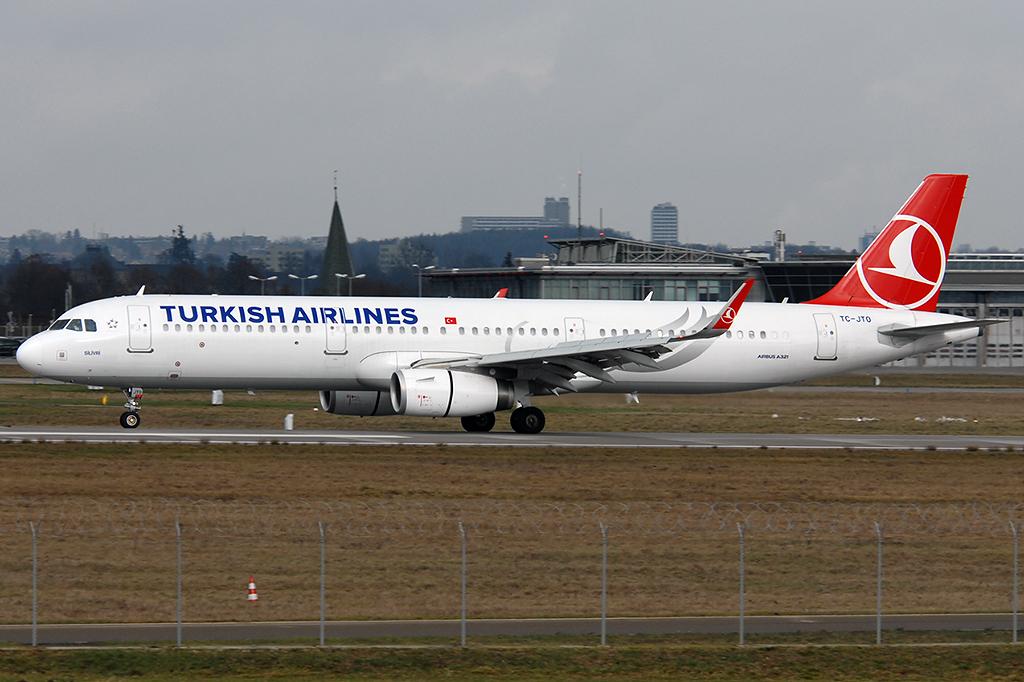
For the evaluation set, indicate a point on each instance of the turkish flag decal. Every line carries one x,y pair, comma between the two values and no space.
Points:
450,320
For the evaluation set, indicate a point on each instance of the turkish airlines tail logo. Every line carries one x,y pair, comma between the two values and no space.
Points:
904,266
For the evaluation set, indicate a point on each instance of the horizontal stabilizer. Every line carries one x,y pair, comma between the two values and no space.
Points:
928,330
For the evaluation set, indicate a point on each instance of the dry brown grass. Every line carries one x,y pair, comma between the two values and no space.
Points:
131,577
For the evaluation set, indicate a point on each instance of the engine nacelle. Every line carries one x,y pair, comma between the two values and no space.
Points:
356,403
444,393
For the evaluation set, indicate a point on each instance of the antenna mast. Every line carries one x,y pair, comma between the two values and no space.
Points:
579,206
335,186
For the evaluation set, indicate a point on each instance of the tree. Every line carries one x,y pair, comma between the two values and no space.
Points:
181,252
36,288
235,279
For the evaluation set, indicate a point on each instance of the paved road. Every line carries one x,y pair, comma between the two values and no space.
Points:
507,440
214,632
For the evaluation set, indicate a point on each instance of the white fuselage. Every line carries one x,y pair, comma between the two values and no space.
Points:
346,344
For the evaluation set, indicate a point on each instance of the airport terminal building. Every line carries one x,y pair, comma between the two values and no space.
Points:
976,285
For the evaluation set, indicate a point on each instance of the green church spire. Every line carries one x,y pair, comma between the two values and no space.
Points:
336,256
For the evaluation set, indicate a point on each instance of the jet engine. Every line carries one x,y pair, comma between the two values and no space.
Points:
356,403
444,393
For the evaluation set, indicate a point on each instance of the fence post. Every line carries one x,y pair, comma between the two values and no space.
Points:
604,585
35,594
177,528
462,531
1016,546
739,526
878,609
323,577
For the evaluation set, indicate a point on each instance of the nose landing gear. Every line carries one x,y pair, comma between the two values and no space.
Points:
130,419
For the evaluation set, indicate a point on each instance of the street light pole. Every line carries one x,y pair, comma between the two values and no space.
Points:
302,281
419,276
262,281
341,276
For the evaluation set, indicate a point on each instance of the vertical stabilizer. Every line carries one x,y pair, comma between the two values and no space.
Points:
904,266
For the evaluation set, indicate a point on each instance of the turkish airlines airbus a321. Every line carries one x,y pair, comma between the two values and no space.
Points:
469,358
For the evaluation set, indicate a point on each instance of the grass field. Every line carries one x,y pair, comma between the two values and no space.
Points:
130,576
534,663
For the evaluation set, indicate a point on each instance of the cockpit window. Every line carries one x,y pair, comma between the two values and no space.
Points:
59,324
74,326
90,325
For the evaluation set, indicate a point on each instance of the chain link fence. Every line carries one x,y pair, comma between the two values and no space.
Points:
169,559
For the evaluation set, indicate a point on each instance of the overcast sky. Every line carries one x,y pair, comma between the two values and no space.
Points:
817,118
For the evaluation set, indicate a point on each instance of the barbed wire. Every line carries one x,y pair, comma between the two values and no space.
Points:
489,517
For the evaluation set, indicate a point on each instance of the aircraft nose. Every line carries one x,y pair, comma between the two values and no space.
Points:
30,354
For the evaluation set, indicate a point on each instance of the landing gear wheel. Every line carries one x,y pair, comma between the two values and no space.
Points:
130,420
527,420
479,423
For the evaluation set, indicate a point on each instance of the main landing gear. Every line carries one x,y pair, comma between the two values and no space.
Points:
523,420
130,419
527,420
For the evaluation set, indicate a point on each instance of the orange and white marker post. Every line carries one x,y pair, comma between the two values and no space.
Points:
253,597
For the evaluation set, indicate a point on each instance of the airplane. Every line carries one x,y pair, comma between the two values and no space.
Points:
470,358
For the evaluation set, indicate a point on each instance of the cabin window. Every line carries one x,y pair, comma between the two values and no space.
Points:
90,326
202,327
74,326
728,334
260,329
739,334
509,331
522,331
497,331
59,324
533,331
775,335
413,330
238,327
601,332
555,331
543,331
785,335
444,330
177,327
625,332
248,328
213,327
273,328
355,330
189,328
426,330
476,331
379,330
284,329
366,330
615,332
167,327
462,330
487,331
401,330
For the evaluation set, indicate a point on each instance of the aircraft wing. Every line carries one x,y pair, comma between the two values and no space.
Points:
929,329
555,366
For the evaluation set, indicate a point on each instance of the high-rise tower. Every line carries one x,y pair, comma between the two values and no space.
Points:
665,224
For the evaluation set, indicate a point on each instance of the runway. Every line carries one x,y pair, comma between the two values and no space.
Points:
510,440
248,632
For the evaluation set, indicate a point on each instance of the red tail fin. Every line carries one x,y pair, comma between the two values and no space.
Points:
904,266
